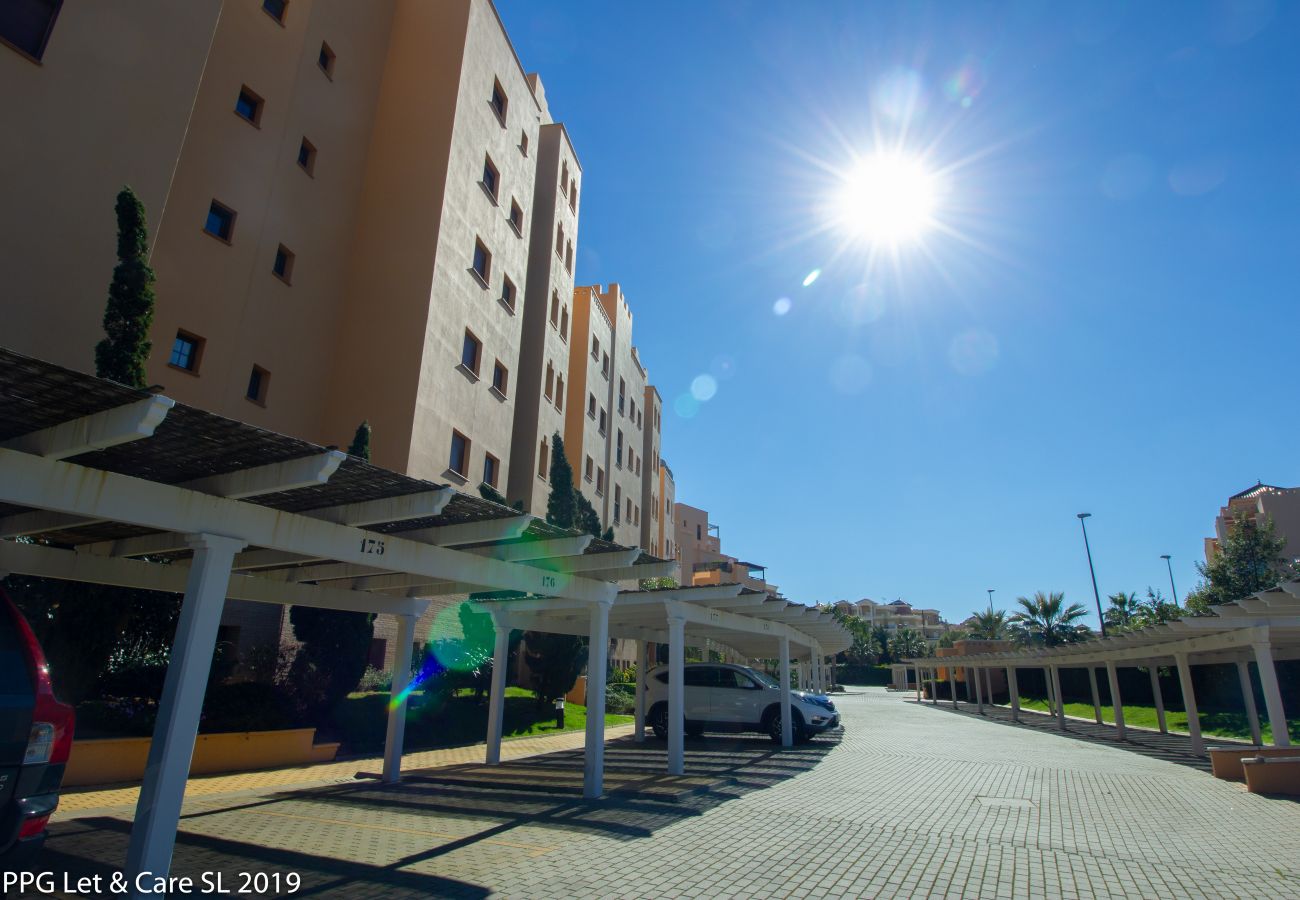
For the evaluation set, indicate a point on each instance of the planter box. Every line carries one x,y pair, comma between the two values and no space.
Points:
1273,775
1225,762
112,760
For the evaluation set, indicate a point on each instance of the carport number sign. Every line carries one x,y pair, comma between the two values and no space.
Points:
371,545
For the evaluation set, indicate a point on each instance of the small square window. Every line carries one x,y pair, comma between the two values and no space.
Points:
543,460
568,258
550,381
275,9
283,265
573,197
508,293
491,178
587,470
258,381
491,469
555,309
564,177
307,156
591,405
500,378
499,102
595,347
471,352
459,462
564,324
26,26
604,422
559,240
187,350
220,222
482,266
249,105
523,142
516,217
559,392
326,59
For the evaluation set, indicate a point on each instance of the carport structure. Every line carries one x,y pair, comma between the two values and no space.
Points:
1263,628
752,623
105,484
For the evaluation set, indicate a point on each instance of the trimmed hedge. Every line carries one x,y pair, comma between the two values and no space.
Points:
875,676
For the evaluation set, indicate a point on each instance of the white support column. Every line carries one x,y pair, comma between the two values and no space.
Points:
1096,697
934,686
396,732
1060,702
1116,702
952,685
1189,702
1272,694
973,675
1248,698
676,692
918,682
787,731
497,693
988,686
593,772
642,668
1158,696
799,676
1051,697
1013,686
158,810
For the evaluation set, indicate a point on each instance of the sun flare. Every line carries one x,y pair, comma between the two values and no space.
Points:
887,199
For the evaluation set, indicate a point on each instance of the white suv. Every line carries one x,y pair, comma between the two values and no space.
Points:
725,697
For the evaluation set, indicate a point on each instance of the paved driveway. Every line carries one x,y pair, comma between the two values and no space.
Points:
909,801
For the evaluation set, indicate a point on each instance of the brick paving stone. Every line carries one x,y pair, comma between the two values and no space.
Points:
911,800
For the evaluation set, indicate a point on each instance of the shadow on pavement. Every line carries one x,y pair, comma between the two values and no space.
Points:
435,812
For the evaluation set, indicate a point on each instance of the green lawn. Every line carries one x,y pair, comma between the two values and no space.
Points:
360,721
1220,724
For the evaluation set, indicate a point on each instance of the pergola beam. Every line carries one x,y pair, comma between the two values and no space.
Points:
526,551
290,475
41,483
68,565
97,431
506,529
405,508
592,562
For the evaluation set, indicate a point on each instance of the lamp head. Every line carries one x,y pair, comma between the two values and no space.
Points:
1084,515
1165,556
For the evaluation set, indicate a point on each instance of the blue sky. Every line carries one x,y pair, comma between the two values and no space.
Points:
1104,320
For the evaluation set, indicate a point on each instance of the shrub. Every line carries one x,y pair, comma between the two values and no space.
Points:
375,680
620,698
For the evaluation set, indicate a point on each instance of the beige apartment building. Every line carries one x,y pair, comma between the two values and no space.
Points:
611,442
341,200
1263,502
541,392
897,615
698,549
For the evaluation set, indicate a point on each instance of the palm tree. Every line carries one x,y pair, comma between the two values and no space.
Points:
908,643
1124,611
989,625
1045,619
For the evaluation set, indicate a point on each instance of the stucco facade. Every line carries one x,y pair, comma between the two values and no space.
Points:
1263,502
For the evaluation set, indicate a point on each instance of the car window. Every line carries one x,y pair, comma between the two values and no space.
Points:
14,678
763,678
701,676
662,677
730,678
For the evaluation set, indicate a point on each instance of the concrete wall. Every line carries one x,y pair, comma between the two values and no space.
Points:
583,437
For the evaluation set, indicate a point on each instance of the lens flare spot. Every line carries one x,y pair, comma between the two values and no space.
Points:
965,84
723,367
686,406
973,352
811,277
704,387
781,306
850,374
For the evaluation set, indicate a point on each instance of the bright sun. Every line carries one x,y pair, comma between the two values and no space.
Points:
887,199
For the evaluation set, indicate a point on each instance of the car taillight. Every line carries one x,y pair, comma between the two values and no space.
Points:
33,826
52,721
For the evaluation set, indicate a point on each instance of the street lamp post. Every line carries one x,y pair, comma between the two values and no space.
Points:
1101,620
990,590
1165,557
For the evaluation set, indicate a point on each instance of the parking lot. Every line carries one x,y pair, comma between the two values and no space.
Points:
909,801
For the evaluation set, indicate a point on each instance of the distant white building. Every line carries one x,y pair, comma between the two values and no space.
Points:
897,615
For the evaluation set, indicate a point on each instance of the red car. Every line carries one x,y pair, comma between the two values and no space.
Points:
35,739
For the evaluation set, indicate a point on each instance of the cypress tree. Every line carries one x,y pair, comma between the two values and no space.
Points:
360,446
561,508
121,356
588,520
